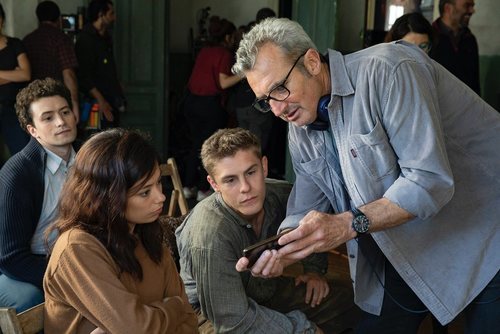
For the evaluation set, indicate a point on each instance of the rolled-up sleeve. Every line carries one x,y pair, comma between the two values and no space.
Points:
412,121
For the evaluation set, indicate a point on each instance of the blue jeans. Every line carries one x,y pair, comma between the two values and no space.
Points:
481,316
18,294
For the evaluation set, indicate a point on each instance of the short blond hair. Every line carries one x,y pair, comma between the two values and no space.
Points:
226,143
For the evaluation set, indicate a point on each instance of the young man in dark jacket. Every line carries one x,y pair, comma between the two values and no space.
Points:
31,182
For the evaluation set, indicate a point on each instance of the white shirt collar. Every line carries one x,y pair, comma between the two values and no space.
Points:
54,162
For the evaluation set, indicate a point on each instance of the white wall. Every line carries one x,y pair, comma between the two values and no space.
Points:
20,17
183,16
485,25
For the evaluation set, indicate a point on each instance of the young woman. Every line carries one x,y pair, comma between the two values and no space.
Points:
109,270
413,28
14,70
204,106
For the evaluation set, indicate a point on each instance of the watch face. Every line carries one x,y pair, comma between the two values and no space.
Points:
360,224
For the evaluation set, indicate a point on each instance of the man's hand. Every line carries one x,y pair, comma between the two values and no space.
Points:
106,109
269,264
317,287
76,111
317,232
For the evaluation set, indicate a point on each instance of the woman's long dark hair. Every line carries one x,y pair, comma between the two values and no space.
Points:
411,22
94,197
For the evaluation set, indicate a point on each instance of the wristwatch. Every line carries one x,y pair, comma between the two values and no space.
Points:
360,222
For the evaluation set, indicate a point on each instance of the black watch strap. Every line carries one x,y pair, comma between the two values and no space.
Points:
356,212
360,223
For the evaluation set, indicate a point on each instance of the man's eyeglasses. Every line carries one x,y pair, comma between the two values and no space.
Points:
278,93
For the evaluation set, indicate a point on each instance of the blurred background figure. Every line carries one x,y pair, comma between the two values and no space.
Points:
51,52
264,13
204,105
260,124
97,73
14,72
413,28
456,47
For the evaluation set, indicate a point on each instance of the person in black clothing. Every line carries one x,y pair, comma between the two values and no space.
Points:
51,52
97,74
14,71
31,182
456,47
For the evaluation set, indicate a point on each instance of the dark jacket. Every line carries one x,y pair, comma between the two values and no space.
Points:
96,64
461,58
21,199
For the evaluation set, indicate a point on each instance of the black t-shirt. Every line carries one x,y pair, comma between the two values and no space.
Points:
8,62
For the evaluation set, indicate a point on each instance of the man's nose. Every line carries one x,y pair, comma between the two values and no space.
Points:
244,186
60,120
278,107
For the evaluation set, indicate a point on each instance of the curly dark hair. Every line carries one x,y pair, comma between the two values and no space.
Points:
94,197
35,91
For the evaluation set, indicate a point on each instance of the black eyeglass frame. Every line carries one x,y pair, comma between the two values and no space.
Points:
262,104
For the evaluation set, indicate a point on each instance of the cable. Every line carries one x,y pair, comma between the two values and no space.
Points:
385,289
356,239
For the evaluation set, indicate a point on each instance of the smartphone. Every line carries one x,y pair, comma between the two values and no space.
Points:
253,252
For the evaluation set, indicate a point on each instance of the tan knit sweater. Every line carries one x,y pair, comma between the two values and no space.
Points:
84,290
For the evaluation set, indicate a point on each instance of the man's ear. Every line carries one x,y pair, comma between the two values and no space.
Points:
212,183
312,61
264,165
32,130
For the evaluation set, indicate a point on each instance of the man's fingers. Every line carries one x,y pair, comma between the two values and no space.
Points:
242,264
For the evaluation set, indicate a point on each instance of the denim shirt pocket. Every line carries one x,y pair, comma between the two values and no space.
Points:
316,169
374,152
328,181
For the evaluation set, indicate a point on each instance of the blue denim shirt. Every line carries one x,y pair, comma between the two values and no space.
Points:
407,130
210,242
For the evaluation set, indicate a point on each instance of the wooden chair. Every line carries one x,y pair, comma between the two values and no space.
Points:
177,199
26,322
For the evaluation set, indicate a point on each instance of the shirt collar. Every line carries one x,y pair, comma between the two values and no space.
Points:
341,84
54,162
219,200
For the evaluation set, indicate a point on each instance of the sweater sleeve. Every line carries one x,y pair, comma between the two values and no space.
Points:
86,278
18,220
